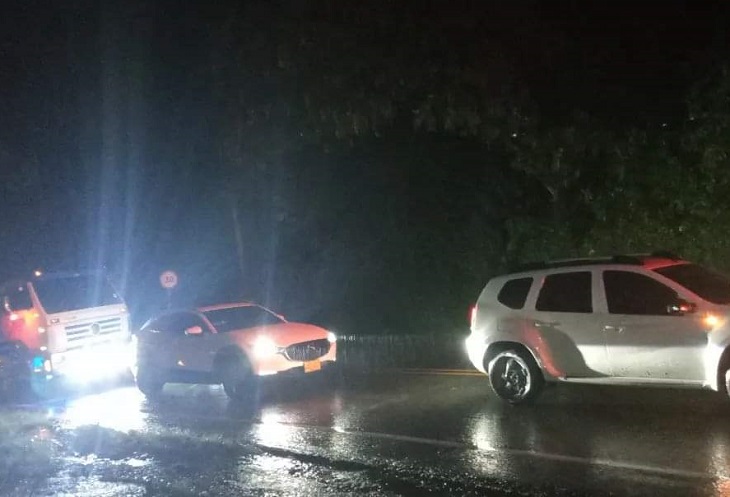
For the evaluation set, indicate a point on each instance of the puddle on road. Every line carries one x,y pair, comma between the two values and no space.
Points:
115,444
118,410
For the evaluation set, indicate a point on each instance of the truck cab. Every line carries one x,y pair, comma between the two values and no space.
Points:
73,326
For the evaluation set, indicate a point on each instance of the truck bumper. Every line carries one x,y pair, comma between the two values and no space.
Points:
92,364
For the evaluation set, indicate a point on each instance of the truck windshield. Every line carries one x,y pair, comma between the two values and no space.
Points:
239,318
699,280
73,293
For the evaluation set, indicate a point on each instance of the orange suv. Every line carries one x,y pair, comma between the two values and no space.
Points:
232,344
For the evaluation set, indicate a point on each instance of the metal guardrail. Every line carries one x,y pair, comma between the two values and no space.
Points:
402,351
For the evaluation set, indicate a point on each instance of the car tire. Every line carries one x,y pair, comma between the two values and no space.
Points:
150,382
238,380
515,377
725,378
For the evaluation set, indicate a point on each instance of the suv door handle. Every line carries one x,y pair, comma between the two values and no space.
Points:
617,329
546,324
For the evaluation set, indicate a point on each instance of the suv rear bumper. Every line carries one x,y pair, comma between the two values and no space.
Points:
475,349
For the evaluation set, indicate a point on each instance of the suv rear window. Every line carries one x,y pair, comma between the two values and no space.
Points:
705,283
514,293
566,292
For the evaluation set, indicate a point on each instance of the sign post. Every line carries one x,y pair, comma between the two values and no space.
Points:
168,280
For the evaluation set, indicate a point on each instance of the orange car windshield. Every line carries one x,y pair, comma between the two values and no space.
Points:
238,318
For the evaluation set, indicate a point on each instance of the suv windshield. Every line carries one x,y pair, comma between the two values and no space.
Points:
73,293
697,279
238,318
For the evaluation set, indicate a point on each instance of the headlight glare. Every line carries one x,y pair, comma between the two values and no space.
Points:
264,347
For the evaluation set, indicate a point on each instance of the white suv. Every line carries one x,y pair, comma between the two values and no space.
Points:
639,320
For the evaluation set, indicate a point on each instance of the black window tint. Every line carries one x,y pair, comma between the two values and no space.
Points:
566,292
76,292
514,293
176,324
633,293
161,324
705,283
239,318
154,324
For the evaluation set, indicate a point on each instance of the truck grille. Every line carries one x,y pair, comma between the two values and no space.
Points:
307,351
78,335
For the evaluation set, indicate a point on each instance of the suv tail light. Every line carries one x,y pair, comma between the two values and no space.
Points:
473,316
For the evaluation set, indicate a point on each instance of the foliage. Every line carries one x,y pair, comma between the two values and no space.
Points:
379,165
647,188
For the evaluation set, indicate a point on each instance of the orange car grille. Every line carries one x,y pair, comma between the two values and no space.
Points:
307,351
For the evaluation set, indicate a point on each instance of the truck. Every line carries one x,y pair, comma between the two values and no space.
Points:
69,327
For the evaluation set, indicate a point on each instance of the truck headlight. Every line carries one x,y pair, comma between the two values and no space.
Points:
331,337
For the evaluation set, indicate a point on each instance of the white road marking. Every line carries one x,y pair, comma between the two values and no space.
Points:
564,458
442,372
613,464
542,455
403,438
644,468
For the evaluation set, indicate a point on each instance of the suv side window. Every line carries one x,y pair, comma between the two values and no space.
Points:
566,292
514,293
633,293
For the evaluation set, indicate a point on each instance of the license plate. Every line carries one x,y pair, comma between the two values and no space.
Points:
312,366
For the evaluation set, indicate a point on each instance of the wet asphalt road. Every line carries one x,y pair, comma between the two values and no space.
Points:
389,433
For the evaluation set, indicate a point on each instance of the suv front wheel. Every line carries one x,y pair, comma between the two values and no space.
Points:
515,377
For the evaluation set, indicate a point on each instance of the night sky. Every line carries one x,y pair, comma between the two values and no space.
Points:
111,136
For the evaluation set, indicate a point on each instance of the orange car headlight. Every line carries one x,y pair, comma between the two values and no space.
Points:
264,347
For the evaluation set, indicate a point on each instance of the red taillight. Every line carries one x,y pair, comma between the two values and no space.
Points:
473,316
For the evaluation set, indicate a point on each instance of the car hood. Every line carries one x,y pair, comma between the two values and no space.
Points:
283,334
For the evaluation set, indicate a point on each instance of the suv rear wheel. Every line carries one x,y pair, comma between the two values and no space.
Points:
515,377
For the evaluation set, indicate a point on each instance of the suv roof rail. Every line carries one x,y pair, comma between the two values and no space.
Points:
627,259
616,259
666,254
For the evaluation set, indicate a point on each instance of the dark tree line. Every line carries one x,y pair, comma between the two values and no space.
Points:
388,163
